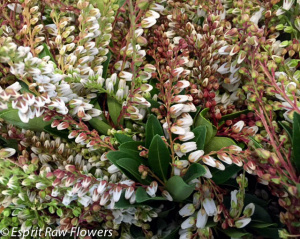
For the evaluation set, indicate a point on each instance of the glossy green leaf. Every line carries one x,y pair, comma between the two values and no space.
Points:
256,144
296,141
153,82
9,143
131,147
234,115
201,120
121,2
210,223
154,104
153,127
298,188
178,189
159,157
272,233
220,177
123,202
250,198
257,224
46,52
261,214
99,125
235,233
114,109
129,165
114,156
122,138
200,136
195,171
25,88
11,116
166,211
136,232
142,196
218,143
173,234
288,129
60,133
105,65
194,115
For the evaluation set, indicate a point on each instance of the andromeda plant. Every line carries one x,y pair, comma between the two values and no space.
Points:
150,118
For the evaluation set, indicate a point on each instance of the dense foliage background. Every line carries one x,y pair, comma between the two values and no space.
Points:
151,118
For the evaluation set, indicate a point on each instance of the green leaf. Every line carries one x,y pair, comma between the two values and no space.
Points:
125,203
296,141
178,189
131,147
142,196
121,2
166,211
233,115
298,188
114,156
210,223
235,233
114,109
195,171
99,125
200,136
154,91
195,114
122,138
250,198
173,234
261,214
25,88
159,157
154,104
288,129
60,133
268,232
46,52
136,232
9,143
218,143
131,166
129,124
11,116
153,127
201,120
105,65
257,224
257,145
220,177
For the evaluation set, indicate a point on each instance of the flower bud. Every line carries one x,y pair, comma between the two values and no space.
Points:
279,27
265,154
143,4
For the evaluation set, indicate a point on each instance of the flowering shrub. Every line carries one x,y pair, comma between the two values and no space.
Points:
151,118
